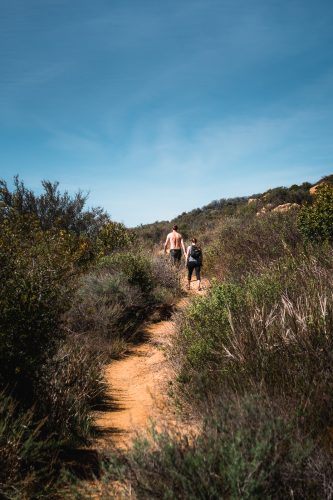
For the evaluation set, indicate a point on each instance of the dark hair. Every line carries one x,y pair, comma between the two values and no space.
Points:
194,240
175,227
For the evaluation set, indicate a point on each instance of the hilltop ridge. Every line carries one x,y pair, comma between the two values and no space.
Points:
205,218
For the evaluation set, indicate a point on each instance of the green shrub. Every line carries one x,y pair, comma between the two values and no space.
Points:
294,194
88,233
243,451
112,236
206,322
35,270
316,221
135,267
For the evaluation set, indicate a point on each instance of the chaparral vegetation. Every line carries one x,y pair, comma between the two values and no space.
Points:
252,358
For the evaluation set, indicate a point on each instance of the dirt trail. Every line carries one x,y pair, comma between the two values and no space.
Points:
138,385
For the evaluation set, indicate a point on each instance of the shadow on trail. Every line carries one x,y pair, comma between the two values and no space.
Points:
85,462
82,463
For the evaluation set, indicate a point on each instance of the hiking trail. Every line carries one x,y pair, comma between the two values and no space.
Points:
138,385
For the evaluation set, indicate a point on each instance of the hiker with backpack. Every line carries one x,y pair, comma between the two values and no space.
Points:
194,262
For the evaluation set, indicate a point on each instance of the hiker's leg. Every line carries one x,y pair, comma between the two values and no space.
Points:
173,257
190,268
197,273
178,258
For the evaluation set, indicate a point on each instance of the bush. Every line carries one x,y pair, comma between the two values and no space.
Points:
246,244
316,221
114,300
166,282
35,270
294,194
135,267
38,368
112,236
88,234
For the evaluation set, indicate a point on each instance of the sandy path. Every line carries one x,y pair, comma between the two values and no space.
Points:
138,385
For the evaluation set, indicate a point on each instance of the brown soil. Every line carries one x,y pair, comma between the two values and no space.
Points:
138,386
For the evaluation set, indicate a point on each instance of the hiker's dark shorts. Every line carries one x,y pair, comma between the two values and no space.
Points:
190,267
175,255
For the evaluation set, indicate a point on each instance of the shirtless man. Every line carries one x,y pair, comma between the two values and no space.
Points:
176,243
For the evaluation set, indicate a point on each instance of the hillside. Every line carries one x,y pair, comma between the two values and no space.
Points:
201,220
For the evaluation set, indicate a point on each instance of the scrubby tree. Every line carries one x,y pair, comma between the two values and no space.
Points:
316,221
52,208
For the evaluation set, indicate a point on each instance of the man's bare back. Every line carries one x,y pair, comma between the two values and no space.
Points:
175,241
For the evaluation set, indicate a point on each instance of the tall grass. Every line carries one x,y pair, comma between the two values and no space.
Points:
27,458
71,386
273,333
243,450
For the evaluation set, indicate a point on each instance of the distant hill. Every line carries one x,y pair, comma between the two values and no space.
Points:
201,220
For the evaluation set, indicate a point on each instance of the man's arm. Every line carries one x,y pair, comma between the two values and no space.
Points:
183,246
187,256
166,243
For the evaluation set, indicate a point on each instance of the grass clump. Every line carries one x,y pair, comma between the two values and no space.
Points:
71,386
26,457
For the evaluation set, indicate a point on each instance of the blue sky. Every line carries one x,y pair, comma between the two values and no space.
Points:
160,107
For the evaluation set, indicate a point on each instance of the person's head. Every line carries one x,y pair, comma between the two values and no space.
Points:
175,227
194,241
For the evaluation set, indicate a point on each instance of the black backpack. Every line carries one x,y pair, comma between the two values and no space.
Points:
196,253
